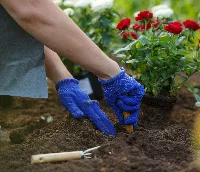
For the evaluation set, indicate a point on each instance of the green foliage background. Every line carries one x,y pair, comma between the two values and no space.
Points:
184,9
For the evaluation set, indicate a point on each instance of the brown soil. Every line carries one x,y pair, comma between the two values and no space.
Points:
165,149
156,111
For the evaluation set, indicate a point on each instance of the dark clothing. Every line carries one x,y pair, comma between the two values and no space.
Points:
22,67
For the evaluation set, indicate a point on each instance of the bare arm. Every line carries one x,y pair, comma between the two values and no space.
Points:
47,23
55,68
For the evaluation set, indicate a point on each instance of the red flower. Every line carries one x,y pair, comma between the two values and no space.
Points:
191,24
124,24
141,27
155,23
174,27
133,35
136,26
126,34
144,15
199,41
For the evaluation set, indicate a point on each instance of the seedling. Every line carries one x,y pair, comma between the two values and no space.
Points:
48,119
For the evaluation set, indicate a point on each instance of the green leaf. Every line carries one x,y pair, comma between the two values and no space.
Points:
127,48
132,61
165,44
180,40
154,58
106,38
105,22
49,119
121,56
164,75
197,97
181,51
195,90
190,85
42,117
197,104
183,59
143,40
142,49
164,38
143,77
166,83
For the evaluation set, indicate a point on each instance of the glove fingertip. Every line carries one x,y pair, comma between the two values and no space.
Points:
111,131
77,114
135,125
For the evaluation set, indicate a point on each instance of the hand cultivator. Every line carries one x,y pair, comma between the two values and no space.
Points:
63,156
129,128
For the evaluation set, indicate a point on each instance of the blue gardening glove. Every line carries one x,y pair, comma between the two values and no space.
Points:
79,105
124,94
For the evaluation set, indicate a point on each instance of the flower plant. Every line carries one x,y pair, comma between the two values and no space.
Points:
162,52
96,19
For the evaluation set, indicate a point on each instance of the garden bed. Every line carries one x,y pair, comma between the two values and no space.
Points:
164,149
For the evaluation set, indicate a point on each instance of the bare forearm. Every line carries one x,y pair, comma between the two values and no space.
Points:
55,68
47,23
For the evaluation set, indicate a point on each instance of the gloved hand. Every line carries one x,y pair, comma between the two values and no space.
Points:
124,93
79,105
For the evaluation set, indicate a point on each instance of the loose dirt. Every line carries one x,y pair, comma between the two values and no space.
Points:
164,149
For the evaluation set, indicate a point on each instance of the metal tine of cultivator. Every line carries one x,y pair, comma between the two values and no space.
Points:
86,154
91,149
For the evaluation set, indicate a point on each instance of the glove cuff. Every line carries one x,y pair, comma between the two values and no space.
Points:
70,81
121,83
112,80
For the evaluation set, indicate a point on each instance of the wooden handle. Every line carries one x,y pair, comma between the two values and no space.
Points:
56,157
129,128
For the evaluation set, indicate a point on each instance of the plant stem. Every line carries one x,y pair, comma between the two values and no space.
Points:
185,80
188,35
145,27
